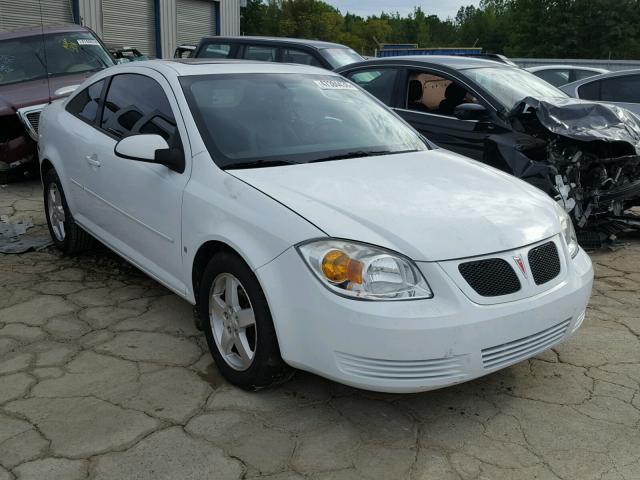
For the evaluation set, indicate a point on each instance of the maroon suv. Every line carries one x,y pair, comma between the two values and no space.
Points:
64,55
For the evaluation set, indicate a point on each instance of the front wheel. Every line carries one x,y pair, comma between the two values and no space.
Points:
238,325
65,233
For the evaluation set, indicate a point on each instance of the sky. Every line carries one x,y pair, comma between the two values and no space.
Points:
442,8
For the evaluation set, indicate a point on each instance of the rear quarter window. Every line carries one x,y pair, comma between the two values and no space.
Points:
85,104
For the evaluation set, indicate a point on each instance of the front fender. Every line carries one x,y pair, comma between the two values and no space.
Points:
219,207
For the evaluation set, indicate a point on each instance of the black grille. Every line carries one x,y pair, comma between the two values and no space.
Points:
490,278
544,263
34,120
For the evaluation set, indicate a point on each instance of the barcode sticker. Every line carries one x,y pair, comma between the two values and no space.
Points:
334,85
87,41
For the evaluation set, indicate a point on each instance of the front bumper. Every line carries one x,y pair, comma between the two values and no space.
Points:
419,345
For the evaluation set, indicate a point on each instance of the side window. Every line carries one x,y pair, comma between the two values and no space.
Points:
589,91
379,82
85,104
581,74
434,94
291,55
215,50
621,89
137,104
555,77
263,53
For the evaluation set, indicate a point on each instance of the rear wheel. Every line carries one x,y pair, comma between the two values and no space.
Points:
238,325
66,234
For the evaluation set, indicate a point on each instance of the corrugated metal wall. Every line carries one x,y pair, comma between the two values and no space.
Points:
26,13
168,27
229,17
119,21
130,23
195,19
91,14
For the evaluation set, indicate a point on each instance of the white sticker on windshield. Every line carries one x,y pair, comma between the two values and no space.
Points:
334,85
87,41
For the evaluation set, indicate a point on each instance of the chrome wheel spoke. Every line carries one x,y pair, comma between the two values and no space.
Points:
244,350
231,292
227,341
246,318
218,304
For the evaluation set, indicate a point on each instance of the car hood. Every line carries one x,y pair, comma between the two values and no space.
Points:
430,206
34,92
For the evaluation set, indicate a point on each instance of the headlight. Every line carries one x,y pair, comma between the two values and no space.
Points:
568,232
362,271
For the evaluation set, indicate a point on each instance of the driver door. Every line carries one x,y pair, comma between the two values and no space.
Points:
425,105
138,210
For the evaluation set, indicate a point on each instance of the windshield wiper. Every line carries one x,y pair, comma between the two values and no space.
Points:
359,153
258,164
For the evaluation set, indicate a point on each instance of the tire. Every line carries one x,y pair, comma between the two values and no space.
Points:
65,233
226,320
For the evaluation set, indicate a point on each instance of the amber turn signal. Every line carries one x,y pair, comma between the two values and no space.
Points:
338,267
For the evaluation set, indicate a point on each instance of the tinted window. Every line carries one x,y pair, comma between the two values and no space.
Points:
275,118
22,59
589,91
85,104
621,89
137,104
215,50
339,57
290,55
554,77
580,74
378,83
260,52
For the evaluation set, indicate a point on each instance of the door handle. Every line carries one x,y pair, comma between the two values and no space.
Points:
93,160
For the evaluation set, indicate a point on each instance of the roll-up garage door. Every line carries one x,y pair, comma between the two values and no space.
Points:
129,23
196,18
26,13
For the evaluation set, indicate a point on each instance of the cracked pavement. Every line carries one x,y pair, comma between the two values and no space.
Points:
104,376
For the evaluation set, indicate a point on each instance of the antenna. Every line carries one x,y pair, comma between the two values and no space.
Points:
44,49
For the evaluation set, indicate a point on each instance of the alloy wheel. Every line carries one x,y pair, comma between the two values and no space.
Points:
56,212
233,321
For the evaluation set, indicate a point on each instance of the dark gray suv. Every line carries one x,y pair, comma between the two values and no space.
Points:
275,49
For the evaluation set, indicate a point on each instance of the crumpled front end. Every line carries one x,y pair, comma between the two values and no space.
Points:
17,149
584,154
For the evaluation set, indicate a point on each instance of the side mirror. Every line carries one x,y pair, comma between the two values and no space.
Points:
471,111
151,149
65,91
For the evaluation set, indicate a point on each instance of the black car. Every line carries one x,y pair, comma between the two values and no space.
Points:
275,49
585,154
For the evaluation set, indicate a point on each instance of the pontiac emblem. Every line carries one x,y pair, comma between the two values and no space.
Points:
520,263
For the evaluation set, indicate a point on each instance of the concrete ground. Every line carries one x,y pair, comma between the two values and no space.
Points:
103,376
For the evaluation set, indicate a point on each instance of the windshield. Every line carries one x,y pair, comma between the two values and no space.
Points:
511,85
270,119
339,57
23,59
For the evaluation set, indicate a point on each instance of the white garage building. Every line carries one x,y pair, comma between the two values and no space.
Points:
155,27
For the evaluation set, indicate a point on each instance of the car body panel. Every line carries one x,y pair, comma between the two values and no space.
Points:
573,89
409,202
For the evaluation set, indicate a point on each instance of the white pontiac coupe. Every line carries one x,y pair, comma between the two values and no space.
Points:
310,225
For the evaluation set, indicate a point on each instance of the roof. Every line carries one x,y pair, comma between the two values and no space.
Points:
616,73
187,67
37,30
539,68
455,62
282,40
